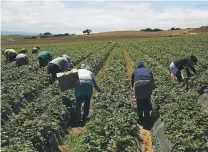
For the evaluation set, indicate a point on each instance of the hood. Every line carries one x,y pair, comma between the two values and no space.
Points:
140,65
84,66
66,57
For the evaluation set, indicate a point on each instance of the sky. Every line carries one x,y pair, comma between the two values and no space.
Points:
58,16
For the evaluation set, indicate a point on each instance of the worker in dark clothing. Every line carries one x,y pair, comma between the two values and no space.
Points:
10,54
177,66
143,85
35,50
44,58
23,50
21,59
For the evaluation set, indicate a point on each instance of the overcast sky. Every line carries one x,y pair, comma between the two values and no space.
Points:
75,16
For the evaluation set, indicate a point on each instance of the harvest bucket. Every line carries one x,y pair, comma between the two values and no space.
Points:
67,80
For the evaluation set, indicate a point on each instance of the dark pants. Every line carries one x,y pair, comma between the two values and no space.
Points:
188,72
42,62
21,62
179,76
143,90
11,58
34,51
144,106
79,101
53,69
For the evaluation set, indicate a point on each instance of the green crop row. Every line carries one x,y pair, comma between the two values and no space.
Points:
22,85
171,49
41,124
112,126
186,124
36,113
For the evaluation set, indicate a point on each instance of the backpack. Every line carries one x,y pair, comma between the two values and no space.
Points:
143,86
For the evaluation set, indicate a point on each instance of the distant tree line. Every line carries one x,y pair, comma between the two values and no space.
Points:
151,30
48,35
175,28
45,34
157,30
31,37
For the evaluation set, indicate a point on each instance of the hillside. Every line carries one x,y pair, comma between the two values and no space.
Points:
113,35
203,29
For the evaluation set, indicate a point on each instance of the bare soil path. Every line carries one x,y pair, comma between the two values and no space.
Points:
145,135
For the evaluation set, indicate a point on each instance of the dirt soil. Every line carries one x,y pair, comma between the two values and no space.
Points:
76,131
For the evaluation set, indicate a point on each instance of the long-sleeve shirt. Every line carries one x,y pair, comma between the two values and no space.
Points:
9,52
87,76
86,83
45,55
185,62
62,63
141,71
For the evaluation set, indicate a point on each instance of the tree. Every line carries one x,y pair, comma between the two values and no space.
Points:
146,30
151,30
66,34
34,37
175,28
157,30
47,33
172,28
88,31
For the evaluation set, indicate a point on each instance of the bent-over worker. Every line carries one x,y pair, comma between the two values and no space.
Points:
44,58
10,54
84,91
21,59
23,50
143,85
34,50
59,64
177,66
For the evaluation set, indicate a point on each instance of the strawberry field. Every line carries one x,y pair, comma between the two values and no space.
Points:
35,114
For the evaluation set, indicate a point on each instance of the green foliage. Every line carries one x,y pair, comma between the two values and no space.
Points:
113,125
175,28
179,110
151,30
88,31
35,117
42,119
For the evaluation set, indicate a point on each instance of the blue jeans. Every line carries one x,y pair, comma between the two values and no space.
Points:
53,69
